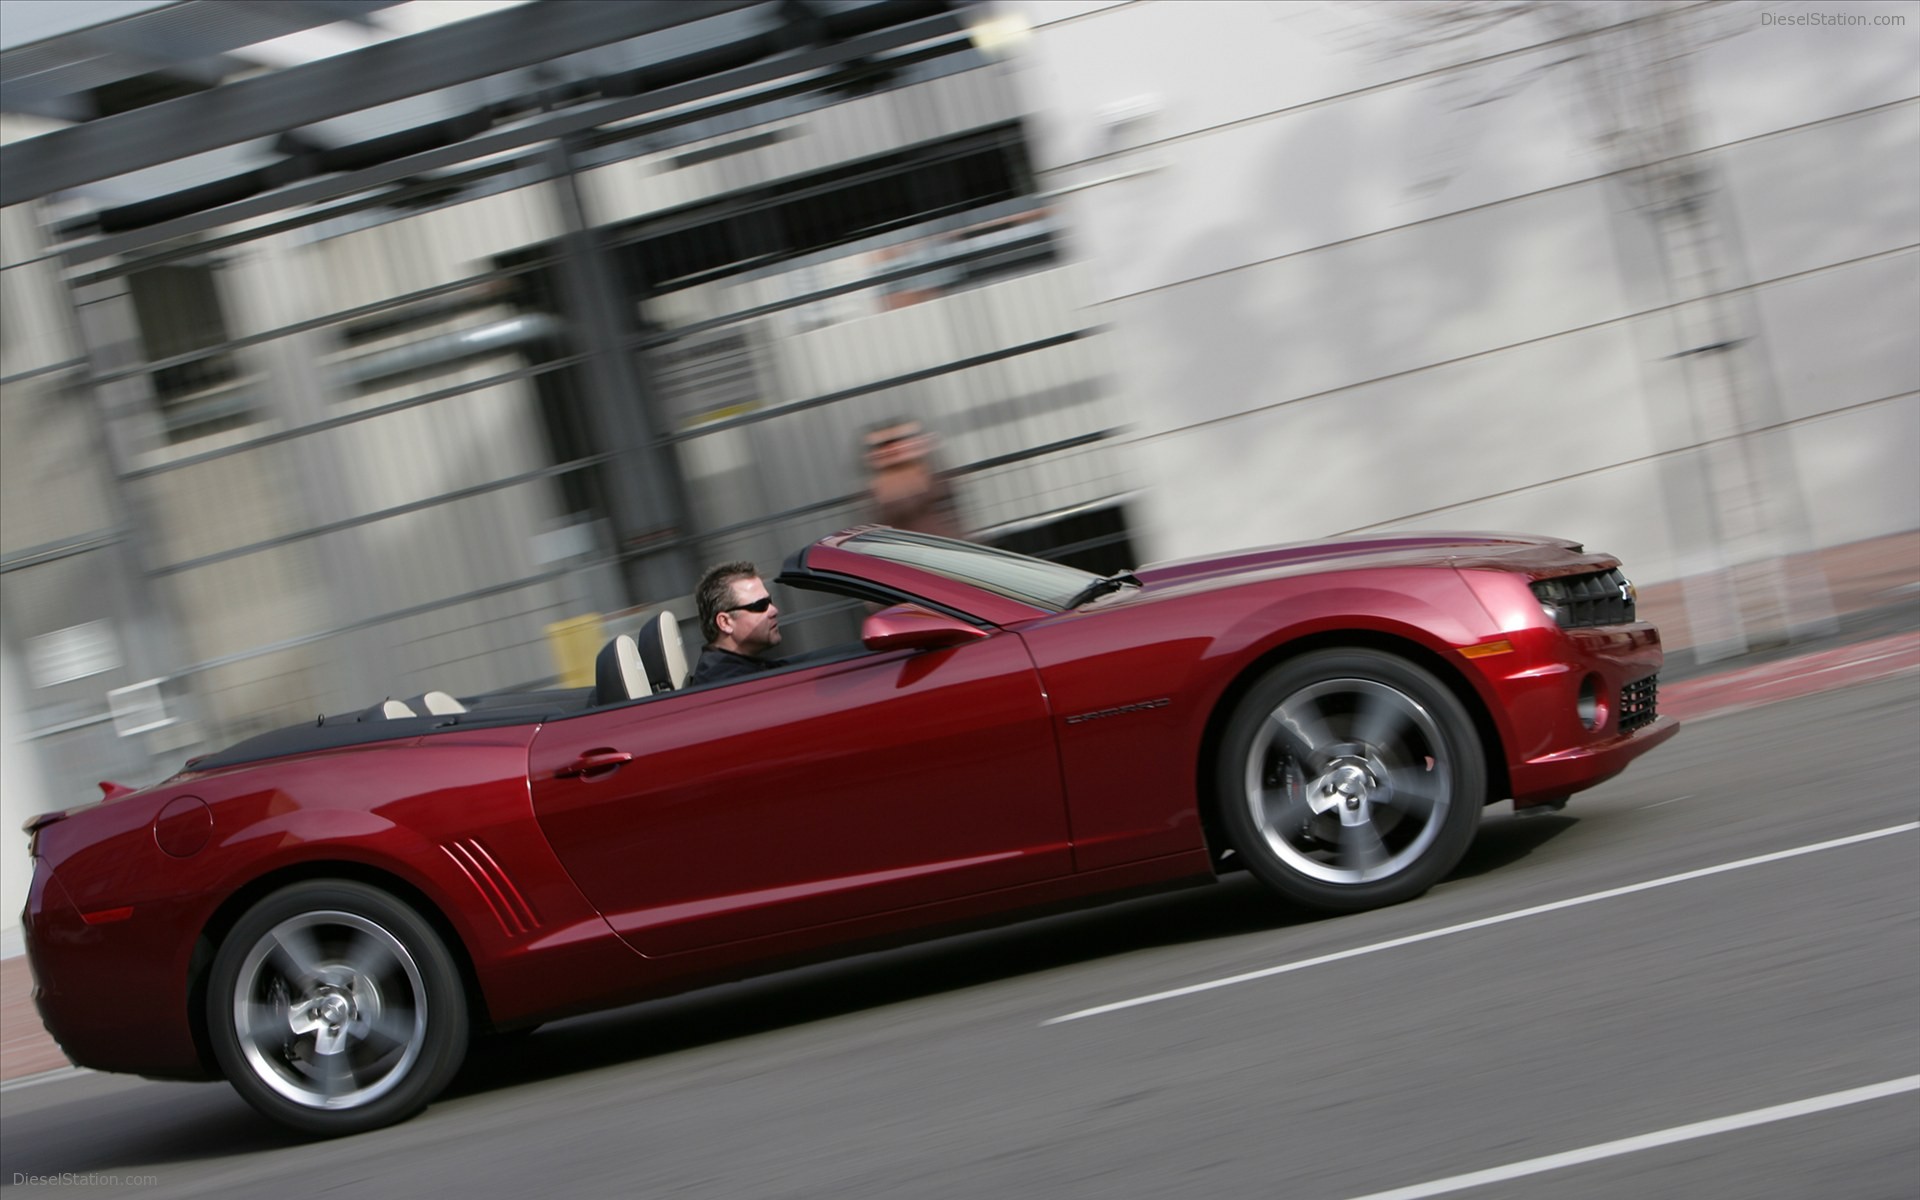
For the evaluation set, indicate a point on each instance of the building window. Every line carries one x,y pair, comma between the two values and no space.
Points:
183,326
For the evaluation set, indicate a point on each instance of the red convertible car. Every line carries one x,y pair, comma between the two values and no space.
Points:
324,915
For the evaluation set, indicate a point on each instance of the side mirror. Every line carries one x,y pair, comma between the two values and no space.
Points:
910,627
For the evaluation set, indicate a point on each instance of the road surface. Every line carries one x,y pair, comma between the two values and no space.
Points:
1701,980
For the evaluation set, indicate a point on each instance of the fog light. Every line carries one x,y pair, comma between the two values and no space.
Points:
1590,706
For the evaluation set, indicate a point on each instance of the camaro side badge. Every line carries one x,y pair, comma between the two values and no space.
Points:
1142,706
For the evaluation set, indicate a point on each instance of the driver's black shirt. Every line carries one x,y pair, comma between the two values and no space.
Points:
716,664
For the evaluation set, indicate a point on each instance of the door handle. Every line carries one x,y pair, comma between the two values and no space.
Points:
592,762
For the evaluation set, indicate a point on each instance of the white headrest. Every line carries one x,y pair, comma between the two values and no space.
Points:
662,652
631,672
617,674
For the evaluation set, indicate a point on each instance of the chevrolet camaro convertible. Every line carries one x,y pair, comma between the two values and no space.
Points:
325,915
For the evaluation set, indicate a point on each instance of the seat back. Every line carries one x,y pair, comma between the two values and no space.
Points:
617,673
387,710
663,654
436,704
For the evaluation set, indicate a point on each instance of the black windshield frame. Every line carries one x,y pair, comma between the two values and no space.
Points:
1048,586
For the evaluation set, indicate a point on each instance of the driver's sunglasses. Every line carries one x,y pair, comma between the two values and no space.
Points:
758,606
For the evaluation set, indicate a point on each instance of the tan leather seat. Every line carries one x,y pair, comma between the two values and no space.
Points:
663,654
617,673
437,704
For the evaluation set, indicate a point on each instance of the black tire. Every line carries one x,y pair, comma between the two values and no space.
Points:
335,1008
1350,779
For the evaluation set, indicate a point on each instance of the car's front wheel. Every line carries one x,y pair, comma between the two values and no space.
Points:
1350,779
335,1008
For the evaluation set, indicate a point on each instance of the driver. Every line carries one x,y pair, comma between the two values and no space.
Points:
739,621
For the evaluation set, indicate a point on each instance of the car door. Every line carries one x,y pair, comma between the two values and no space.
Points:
807,796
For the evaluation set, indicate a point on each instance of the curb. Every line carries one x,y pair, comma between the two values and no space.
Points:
1750,687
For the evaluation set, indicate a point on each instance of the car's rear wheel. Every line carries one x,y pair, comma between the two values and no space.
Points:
1350,779
336,1008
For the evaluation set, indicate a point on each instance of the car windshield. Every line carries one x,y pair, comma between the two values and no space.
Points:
1029,580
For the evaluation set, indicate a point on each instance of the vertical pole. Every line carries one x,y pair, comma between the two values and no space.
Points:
644,488
102,320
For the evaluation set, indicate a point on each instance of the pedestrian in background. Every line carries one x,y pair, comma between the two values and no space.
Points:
905,487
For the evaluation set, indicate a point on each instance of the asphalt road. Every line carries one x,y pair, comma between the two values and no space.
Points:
1770,991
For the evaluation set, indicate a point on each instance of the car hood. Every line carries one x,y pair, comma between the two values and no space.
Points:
1506,551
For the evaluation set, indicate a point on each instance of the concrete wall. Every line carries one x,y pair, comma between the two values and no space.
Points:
55,492
1364,277
83,547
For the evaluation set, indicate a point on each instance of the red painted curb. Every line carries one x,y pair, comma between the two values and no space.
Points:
1821,671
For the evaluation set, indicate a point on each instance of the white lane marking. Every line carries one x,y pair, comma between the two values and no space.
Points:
1781,672
1482,923
1902,652
1662,803
1648,1141
53,1076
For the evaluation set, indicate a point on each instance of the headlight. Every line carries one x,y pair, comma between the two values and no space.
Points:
1554,596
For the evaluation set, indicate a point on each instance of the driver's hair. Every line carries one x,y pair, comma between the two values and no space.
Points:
716,593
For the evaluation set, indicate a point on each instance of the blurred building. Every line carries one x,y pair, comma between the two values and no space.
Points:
329,378
1642,274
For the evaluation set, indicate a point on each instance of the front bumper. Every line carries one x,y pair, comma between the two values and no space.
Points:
1567,771
1559,699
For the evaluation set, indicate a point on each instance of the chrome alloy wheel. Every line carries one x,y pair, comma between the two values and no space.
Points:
330,1010
1346,780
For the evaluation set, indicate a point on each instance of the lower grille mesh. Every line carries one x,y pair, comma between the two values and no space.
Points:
1639,703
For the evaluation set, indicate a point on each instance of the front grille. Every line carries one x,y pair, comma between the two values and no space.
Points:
1639,703
1578,601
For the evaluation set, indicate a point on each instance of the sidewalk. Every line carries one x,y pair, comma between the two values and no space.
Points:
25,1048
1875,589
1872,586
